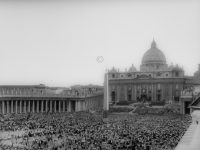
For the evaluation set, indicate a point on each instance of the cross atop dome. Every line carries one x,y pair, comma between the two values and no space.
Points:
153,44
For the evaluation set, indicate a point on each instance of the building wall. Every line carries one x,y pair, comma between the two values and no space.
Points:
170,89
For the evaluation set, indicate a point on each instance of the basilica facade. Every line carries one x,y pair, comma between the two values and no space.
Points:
155,81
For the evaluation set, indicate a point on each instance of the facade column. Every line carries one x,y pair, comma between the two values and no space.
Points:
33,108
84,108
162,89
25,106
69,106
3,107
64,106
135,89
50,105
79,105
170,92
76,106
125,93
38,109
118,93
29,106
154,92
20,106
152,98
42,106
16,106
132,92
55,105
46,109
59,102
12,106
8,109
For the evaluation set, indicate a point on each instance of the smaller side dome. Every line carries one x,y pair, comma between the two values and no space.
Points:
132,69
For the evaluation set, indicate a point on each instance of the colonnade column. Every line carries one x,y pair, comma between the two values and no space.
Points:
33,108
20,106
29,106
16,106
50,106
42,106
69,106
55,106
12,106
64,106
8,109
3,107
25,106
59,102
38,105
46,105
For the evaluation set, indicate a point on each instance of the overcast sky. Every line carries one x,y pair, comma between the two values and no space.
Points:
57,42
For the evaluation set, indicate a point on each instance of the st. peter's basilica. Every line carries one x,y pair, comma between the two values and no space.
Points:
156,80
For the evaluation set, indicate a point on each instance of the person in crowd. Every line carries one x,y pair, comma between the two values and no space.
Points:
88,131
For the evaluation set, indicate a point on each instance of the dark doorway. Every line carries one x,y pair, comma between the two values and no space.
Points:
113,97
176,99
187,109
143,97
158,97
149,99
73,106
138,99
129,95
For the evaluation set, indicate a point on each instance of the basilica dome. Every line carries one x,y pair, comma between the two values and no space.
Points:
153,59
154,55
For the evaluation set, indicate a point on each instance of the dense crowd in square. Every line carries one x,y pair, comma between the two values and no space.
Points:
89,131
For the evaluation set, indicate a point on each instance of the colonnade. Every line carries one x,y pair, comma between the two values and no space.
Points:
17,106
35,106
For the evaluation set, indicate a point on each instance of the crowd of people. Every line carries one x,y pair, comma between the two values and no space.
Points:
89,131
